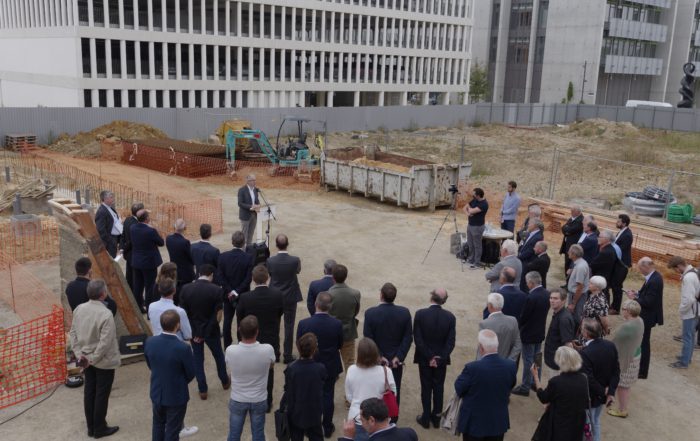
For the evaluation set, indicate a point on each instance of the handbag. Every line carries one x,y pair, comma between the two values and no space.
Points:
449,419
389,397
282,430
587,427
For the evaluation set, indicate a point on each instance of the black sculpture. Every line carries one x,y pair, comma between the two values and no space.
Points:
686,89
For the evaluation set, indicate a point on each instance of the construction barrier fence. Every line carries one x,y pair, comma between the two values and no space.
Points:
27,241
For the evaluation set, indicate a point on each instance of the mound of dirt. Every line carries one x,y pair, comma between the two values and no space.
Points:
88,144
600,128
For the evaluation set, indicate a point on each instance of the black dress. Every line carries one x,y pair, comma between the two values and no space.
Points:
567,396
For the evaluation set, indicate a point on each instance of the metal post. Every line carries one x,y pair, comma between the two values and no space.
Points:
461,156
7,174
77,197
87,196
553,176
17,205
668,197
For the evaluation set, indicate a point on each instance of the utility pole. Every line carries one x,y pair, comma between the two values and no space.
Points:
583,83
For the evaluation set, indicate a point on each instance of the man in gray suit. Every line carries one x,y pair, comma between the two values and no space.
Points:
505,327
345,307
283,270
509,257
248,207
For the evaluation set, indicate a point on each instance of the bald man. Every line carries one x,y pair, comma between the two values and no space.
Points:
434,335
248,207
180,254
651,298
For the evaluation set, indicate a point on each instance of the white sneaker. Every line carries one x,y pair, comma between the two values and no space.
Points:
188,431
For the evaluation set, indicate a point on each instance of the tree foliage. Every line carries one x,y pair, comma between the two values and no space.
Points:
478,83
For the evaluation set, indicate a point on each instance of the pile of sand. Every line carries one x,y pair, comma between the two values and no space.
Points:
88,144
379,164
601,128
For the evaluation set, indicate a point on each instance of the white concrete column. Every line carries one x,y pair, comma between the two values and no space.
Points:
239,97
380,100
121,20
366,60
192,98
261,62
329,98
177,31
341,38
166,96
425,98
227,93
261,21
110,98
323,27
313,25
404,98
293,65
419,77
239,68
302,74
251,98
164,27
273,25
272,65
251,64
382,70
322,73
227,75
152,101
216,62
151,60
191,64
331,60
239,12
250,21
190,25
376,68
216,30
356,99
108,59
282,101
445,98
203,21
283,54
23,17
150,15
227,32
312,61
91,18
166,66
303,24
135,6
203,58
332,39
262,102
358,66
283,25
293,23
125,98
215,99
178,64
139,98
203,93
350,27
93,58
95,94
122,60
178,98
300,99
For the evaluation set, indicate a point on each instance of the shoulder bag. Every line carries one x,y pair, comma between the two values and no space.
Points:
389,397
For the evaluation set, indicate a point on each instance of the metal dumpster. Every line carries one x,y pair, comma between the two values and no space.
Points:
409,182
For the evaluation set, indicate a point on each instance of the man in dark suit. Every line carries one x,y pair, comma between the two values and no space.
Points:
527,253
434,335
374,416
267,305
624,241
233,273
108,224
321,285
485,386
601,367
513,297
145,256
284,269
589,239
76,290
651,298
203,251
389,325
605,262
533,320
329,332
126,246
571,230
540,264
179,251
202,300
172,368
303,391
248,207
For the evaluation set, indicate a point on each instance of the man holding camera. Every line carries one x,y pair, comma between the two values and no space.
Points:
476,211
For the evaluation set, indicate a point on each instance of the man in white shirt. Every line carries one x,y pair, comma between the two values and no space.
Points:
166,288
688,308
248,207
249,363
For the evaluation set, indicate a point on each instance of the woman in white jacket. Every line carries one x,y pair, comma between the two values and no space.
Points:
366,379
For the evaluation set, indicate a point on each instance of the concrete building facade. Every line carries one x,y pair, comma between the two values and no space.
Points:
226,53
610,50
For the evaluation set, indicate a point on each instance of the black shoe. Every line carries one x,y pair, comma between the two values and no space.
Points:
91,433
290,359
642,376
435,419
328,432
425,424
107,432
521,391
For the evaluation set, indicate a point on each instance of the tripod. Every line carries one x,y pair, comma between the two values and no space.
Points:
452,211
268,210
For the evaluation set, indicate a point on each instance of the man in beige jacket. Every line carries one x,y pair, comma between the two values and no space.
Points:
93,338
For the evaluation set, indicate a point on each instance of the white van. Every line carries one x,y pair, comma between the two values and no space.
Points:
637,103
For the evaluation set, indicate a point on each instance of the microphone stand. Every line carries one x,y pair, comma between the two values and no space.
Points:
268,210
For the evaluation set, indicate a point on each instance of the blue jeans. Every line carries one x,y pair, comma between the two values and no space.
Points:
237,419
688,340
595,424
508,225
167,422
214,344
528,352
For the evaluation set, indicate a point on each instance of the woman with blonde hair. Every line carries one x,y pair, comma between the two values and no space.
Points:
566,397
628,341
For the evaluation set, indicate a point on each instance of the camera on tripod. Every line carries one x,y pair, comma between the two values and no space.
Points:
453,189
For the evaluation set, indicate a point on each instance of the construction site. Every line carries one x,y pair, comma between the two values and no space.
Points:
376,201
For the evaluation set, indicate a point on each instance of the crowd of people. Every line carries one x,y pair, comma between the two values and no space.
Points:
200,287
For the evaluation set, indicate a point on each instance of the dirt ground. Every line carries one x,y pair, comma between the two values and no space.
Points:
378,243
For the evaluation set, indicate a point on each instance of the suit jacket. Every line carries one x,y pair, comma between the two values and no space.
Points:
651,299
303,392
513,302
392,434
604,263
527,250
283,276
179,251
104,221
494,273
345,307
145,241
94,335
267,305
390,327
234,271
172,368
541,265
245,202
315,288
329,332
434,335
76,292
485,386
126,244
506,328
590,247
601,366
204,252
625,243
533,319
571,230
201,300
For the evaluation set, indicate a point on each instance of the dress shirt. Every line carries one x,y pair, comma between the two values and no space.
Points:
583,236
511,202
618,251
252,194
117,227
532,233
156,309
619,233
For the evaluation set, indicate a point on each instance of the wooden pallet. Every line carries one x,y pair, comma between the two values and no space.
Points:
17,142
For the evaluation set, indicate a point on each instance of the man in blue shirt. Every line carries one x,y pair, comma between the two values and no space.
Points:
167,290
509,210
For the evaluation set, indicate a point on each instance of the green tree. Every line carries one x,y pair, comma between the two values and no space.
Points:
478,83
570,92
